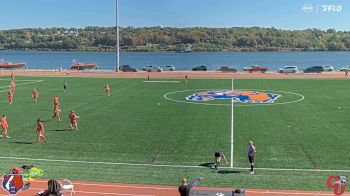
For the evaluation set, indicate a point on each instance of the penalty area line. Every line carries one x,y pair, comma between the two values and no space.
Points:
170,166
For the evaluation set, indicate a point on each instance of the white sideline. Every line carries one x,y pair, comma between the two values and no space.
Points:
98,193
171,166
161,81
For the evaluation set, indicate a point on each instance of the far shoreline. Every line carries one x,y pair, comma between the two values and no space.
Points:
163,51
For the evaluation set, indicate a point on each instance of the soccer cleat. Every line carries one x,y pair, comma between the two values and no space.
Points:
0,136
8,137
251,172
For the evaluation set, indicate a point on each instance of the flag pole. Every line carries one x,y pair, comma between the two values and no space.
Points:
117,29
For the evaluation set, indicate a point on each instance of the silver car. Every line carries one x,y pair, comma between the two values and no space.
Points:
152,68
288,69
169,68
328,68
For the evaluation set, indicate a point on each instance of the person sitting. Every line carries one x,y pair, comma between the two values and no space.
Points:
54,189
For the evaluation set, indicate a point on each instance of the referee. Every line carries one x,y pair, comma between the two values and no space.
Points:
251,153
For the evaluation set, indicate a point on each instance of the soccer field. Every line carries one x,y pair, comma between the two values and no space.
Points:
146,132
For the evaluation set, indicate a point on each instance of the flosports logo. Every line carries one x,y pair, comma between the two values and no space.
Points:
337,183
12,183
243,96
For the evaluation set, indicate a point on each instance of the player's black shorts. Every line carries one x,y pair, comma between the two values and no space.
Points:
251,159
217,154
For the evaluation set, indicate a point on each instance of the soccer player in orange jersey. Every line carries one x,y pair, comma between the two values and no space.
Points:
40,130
36,94
10,96
4,126
56,112
73,120
55,100
107,89
13,86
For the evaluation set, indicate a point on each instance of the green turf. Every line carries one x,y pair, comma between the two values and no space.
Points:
130,127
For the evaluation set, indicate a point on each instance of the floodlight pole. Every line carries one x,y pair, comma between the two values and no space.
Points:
117,29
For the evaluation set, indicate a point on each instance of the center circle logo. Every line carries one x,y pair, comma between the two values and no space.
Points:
242,96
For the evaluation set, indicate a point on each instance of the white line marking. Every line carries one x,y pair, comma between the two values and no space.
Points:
8,86
161,81
98,193
295,193
171,166
119,186
236,105
232,126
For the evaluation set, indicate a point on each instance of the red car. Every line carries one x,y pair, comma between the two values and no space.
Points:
253,68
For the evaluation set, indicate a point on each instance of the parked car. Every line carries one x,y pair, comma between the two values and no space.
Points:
314,69
152,68
127,68
169,68
227,69
345,68
288,69
254,68
200,68
328,68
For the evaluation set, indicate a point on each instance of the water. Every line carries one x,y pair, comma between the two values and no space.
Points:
182,61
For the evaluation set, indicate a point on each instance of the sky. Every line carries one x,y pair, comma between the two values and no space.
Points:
282,14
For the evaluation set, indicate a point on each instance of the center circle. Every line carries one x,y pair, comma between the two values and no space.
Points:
171,96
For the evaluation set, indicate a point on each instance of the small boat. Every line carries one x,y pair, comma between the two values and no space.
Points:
10,65
186,49
81,66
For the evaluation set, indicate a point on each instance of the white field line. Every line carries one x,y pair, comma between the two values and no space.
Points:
97,193
161,81
170,166
293,193
118,186
175,188
9,86
231,164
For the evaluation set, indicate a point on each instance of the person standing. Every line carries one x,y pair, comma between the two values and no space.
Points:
251,153
10,96
35,94
4,126
346,72
65,86
185,188
73,120
13,86
12,77
108,89
186,78
55,100
40,130
56,112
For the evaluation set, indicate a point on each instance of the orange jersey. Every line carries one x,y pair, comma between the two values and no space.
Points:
73,117
13,85
107,88
4,123
56,109
35,94
10,95
55,100
40,127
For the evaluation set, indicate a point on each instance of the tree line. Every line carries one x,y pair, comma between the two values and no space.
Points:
175,39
